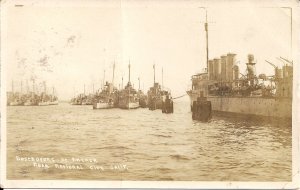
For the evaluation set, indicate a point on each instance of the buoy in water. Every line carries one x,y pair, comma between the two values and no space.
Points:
167,105
202,110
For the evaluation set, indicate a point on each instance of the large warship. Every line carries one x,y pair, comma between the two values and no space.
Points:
230,91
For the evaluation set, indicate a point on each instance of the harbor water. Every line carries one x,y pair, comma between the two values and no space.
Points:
77,142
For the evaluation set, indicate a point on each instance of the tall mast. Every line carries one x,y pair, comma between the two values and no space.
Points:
129,85
139,83
206,30
122,82
84,89
104,78
45,88
162,78
113,74
74,93
12,86
129,71
154,72
21,86
33,85
27,86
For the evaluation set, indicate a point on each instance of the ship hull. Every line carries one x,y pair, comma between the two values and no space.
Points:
155,104
30,104
143,103
15,103
254,106
103,105
53,103
85,103
129,105
43,103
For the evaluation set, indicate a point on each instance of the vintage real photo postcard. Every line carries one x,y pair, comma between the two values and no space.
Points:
150,94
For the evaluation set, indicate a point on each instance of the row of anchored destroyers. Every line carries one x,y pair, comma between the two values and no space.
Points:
31,98
128,97
107,97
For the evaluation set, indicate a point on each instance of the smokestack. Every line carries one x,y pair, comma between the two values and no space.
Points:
251,67
223,67
113,78
250,58
217,68
230,61
154,73
139,82
129,71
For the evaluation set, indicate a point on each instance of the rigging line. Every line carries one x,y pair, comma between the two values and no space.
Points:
179,96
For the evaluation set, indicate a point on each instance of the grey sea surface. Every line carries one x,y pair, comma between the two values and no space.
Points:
77,142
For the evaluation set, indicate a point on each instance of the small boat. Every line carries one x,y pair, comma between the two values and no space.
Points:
128,97
106,98
155,97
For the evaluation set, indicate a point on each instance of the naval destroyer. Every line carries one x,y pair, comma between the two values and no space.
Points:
249,93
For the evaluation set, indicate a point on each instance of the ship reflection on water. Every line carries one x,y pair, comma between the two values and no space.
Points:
152,146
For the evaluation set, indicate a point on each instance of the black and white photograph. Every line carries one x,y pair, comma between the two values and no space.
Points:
139,94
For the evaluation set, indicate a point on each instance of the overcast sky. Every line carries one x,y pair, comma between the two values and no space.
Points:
71,43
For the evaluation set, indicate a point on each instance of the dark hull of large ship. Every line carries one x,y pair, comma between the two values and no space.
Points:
248,106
